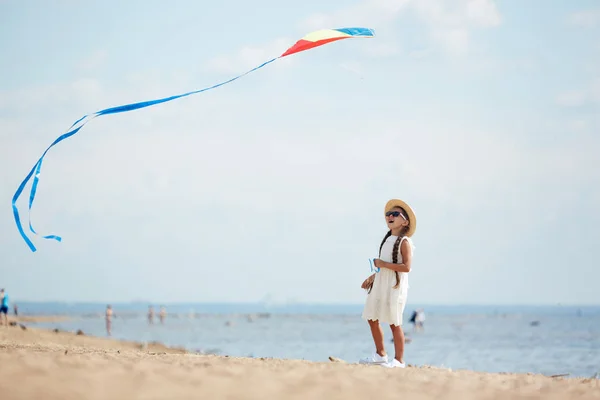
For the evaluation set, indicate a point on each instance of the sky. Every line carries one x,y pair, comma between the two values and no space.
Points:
483,115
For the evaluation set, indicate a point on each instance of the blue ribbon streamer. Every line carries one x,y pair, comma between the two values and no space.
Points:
76,127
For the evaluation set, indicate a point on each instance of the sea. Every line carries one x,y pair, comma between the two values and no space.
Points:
549,340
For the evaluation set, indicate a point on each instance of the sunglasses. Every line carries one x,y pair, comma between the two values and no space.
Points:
395,214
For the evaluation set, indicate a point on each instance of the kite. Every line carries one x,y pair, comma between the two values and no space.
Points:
312,40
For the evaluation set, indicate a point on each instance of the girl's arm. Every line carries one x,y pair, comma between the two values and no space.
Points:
406,258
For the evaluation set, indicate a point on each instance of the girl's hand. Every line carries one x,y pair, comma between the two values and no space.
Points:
378,263
368,282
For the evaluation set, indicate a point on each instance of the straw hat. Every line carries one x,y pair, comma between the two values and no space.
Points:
412,218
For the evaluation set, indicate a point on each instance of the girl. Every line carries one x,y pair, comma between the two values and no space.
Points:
388,288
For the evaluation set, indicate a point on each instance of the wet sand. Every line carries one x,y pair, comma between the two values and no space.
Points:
38,318
43,364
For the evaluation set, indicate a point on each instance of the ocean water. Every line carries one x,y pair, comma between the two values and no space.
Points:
547,340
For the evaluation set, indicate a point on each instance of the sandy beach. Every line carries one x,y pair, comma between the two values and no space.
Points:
52,365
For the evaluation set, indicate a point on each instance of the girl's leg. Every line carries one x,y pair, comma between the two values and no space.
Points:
377,333
398,334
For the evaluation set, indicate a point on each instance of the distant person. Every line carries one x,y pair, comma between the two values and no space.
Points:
417,319
420,320
109,317
388,287
16,310
150,315
162,314
3,307
413,319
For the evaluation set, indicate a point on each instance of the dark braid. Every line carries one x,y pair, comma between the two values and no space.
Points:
397,245
395,254
387,235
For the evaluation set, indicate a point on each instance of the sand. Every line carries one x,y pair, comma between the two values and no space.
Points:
38,318
40,364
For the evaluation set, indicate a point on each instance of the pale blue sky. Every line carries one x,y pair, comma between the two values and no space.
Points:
485,116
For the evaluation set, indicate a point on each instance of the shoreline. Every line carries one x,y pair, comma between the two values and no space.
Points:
64,365
19,321
38,318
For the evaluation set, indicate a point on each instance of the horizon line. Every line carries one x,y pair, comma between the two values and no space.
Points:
305,303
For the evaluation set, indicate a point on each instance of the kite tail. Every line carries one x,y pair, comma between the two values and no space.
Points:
76,127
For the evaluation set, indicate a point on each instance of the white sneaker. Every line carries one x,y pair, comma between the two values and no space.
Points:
394,364
374,359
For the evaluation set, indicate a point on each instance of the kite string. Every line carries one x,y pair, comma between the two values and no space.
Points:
112,110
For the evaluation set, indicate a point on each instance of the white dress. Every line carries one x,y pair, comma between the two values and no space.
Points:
385,303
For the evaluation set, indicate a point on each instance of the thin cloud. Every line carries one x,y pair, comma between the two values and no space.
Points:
590,94
94,60
585,19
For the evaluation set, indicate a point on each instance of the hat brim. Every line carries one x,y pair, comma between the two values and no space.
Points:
411,214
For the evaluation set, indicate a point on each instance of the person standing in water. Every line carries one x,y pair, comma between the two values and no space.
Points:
388,287
150,315
413,320
417,319
420,319
109,317
162,314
